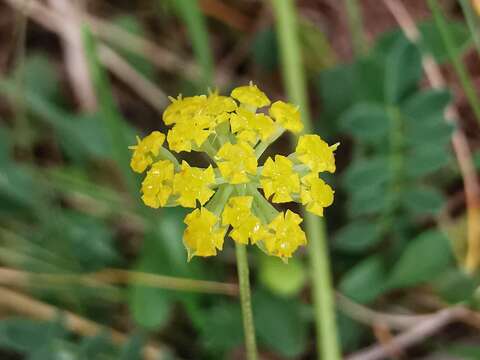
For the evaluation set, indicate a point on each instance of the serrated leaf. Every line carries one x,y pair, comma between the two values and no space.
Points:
285,279
403,71
357,236
365,281
422,200
280,324
366,121
411,270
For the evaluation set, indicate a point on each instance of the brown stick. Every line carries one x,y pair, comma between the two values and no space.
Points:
13,277
25,305
459,140
413,336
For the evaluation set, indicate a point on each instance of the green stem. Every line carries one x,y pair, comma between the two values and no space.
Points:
294,78
472,22
454,56
355,25
246,302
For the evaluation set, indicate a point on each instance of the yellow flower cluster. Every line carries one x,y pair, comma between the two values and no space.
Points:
234,131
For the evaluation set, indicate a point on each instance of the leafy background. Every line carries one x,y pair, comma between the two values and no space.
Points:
73,233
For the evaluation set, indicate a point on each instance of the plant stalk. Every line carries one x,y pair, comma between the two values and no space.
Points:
246,302
454,56
294,79
355,25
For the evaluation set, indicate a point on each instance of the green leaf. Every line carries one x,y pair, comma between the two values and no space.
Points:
221,327
281,278
365,281
163,253
351,333
431,39
133,348
366,121
403,71
422,200
433,43
357,236
367,173
426,159
41,76
454,286
369,200
265,49
280,324
426,104
436,256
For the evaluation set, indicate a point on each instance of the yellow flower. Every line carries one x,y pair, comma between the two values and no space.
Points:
157,185
145,151
278,178
203,236
250,95
287,115
316,154
285,235
193,184
236,162
237,213
251,127
218,105
185,134
316,194
183,109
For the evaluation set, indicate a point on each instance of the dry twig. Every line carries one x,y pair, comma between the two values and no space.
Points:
25,305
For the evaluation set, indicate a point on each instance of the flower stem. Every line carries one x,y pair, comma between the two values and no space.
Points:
245,300
294,78
354,16
455,58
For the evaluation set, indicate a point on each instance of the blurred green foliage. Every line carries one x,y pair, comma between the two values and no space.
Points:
77,215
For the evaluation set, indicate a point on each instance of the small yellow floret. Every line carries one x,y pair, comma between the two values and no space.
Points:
250,95
145,151
218,104
279,179
236,162
184,135
183,109
316,154
158,184
287,115
238,214
251,127
192,184
285,235
203,236
316,194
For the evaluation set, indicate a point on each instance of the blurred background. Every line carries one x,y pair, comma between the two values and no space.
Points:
87,272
